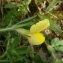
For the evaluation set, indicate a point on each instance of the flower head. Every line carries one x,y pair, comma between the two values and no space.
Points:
36,37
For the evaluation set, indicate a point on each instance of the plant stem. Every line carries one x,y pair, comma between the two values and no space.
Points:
31,51
3,55
6,29
50,49
53,55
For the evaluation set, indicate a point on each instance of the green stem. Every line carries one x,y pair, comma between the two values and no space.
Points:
4,61
2,56
32,52
51,50
6,29
53,55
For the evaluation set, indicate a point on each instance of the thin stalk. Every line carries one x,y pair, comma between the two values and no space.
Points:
32,52
6,29
53,55
5,53
2,56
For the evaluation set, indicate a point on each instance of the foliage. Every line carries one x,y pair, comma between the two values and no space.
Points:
16,23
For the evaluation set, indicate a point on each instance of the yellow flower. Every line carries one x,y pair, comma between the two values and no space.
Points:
40,26
36,37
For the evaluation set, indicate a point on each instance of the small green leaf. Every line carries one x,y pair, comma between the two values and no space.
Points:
26,2
55,27
50,49
23,61
14,43
59,48
31,51
58,61
4,61
23,25
10,5
21,50
47,62
60,43
54,41
38,59
26,20
51,5
57,44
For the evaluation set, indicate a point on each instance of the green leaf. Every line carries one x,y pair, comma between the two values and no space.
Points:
50,49
60,43
4,61
31,51
23,25
11,17
26,2
14,56
37,59
21,50
47,62
10,5
58,61
51,5
59,48
23,61
15,42
55,41
57,44
53,26
26,20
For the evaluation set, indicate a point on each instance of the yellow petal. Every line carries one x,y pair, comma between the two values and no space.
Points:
40,26
36,39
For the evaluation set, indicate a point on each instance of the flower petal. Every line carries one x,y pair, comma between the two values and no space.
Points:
36,39
40,26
